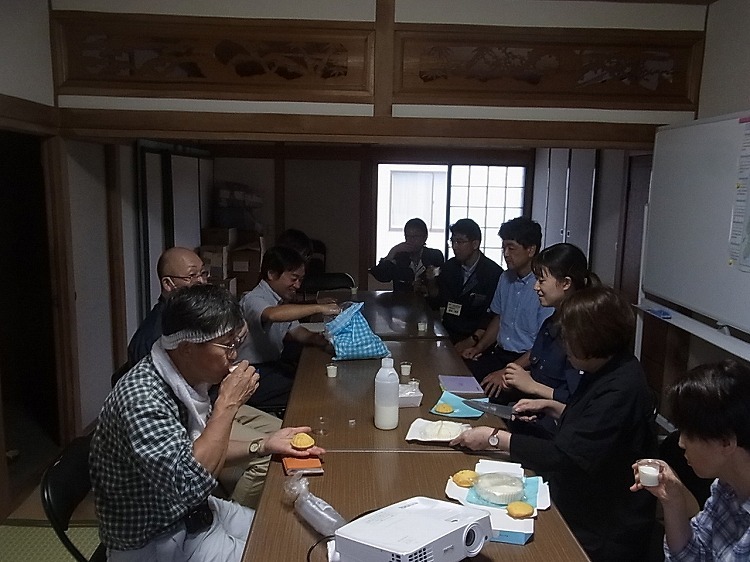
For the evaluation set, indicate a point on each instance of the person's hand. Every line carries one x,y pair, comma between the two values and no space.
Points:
329,309
472,352
519,378
402,247
431,272
493,383
239,385
475,438
528,409
280,442
670,486
463,345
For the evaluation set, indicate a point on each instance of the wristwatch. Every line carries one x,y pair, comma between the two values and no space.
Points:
254,447
494,440
475,338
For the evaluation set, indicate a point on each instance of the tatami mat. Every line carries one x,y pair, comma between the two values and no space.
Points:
40,544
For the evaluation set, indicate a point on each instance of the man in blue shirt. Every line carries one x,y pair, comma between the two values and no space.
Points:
518,313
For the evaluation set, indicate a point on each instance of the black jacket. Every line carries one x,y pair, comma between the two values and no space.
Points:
400,271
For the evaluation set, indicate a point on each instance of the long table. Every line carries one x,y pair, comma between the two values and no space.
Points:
392,315
356,482
346,402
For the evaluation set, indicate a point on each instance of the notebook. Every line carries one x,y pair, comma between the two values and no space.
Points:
309,465
461,385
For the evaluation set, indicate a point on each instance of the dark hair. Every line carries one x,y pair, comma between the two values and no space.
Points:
565,260
205,309
416,224
468,228
596,322
713,402
279,259
523,230
296,240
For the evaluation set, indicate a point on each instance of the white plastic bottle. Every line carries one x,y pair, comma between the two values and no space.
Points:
386,396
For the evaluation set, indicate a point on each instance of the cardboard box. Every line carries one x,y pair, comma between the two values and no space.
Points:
216,260
219,237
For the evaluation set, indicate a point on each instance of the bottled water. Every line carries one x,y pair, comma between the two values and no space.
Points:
386,395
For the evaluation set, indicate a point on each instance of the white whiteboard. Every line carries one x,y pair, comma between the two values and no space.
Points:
693,191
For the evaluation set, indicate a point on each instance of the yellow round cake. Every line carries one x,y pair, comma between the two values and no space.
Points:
520,510
465,478
443,408
302,441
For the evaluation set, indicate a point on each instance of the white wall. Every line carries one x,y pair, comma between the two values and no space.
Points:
725,84
333,218
129,236
26,64
88,210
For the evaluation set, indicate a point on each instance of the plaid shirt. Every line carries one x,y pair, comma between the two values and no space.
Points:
721,532
143,472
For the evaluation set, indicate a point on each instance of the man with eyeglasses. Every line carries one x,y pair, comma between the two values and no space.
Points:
161,444
177,269
465,285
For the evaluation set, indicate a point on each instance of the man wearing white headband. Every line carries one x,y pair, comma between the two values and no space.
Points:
159,445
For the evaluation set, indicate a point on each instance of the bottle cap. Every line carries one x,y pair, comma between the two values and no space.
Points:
387,362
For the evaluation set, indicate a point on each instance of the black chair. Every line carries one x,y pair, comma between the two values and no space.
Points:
119,373
327,282
64,486
317,262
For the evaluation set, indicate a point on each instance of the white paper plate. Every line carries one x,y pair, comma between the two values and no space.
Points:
444,431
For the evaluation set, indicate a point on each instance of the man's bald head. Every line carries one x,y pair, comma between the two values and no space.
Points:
179,267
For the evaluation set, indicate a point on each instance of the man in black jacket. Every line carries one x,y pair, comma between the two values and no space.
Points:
409,263
465,285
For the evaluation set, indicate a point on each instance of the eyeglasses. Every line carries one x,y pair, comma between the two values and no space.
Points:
457,242
231,349
193,277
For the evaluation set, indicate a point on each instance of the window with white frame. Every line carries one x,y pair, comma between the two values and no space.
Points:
442,194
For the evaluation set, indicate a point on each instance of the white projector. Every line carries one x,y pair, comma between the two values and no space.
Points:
415,530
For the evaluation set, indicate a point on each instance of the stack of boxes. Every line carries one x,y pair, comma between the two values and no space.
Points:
233,257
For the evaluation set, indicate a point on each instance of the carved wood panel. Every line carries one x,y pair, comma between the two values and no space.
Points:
116,54
598,68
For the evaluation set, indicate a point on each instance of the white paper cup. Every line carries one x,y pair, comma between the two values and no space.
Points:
648,471
331,370
405,372
422,326
354,291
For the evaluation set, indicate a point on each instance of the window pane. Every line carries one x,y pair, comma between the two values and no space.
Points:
476,214
514,197
511,213
516,176
477,197
411,196
457,213
459,196
495,217
460,175
497,176
478,176
496,197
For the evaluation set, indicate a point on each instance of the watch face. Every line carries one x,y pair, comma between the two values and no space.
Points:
254,447
493,440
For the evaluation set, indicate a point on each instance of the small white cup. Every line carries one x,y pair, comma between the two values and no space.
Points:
648,471
422,326
331,370
405,372
354,291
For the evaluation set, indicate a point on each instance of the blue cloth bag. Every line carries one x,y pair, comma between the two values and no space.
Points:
352,337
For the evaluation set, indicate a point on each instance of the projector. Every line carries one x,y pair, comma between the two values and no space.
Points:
415,530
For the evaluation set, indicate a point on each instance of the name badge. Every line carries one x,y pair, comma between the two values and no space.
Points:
453,308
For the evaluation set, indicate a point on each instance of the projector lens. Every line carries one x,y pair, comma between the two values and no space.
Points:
473,540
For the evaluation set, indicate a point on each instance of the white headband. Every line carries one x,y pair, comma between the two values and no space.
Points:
173,340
